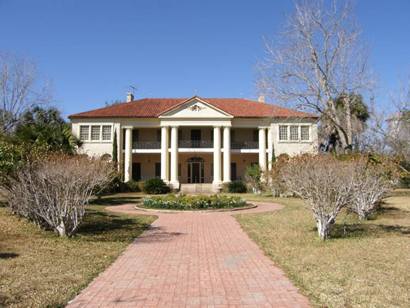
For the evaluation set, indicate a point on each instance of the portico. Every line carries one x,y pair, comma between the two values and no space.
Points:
203,159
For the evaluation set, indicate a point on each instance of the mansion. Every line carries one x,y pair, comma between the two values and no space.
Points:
194,140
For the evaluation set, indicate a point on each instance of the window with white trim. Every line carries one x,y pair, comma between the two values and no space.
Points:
84,132
95,132
283,132
294,132
304,133
106,132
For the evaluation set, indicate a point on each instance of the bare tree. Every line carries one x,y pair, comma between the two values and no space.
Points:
19,90
324,183
317,60
389,131
53,191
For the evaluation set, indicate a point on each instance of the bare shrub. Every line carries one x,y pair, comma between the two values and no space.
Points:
371,183
274,181
324,183
53,191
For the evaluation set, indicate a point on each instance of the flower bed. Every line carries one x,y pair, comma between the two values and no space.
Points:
183,202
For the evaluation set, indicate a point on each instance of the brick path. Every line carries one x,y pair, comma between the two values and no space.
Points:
192,260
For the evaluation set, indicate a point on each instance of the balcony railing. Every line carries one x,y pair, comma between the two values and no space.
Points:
146,145
245,145
195,143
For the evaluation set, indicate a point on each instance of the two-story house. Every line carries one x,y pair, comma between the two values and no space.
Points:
194,140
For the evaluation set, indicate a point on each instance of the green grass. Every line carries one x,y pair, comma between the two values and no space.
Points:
366,264
39,269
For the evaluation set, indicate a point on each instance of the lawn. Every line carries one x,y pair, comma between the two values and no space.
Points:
39,269
366,264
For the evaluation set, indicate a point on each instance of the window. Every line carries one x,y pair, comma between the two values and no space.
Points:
233,172
233,139
304,133
135,135
136,171
255,135
157,170
158,135
84,132
106,132
283,132
294,132
95,132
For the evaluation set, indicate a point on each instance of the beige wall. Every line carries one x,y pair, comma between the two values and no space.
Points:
206,133
242,134
147,164
242,162
147,134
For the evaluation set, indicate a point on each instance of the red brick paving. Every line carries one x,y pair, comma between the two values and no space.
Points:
192,260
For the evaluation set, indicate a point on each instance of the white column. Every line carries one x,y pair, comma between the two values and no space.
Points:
128,155
262,149
270,147
227,154
174,157
164,154
217,156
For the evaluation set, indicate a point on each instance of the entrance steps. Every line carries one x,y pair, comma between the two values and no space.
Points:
202,188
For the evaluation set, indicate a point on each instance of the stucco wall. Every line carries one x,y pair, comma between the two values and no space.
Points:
147,164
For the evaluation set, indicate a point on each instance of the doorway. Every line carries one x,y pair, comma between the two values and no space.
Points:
195,138
196,170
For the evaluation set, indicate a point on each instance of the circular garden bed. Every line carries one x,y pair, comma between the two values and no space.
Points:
189,203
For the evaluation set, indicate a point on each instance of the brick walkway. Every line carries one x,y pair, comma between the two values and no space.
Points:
192,260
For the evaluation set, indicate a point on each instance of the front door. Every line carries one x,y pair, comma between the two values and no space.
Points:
195,170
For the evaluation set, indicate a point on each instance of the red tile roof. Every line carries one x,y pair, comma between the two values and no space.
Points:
154,107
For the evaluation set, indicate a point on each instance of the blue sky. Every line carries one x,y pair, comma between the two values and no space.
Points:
93,50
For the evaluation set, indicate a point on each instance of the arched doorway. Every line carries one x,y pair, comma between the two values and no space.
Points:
195,170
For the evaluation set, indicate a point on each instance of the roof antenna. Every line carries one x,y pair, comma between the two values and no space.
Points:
130,93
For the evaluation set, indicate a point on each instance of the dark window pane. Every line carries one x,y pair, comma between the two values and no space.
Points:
157,170
136,171
233,172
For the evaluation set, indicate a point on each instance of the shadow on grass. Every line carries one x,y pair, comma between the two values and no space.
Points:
113,200
8,255
104,226
367,230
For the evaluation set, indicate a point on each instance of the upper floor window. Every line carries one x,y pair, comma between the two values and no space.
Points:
84,132
95,132
283,132
158,134
255,135
294,132
304,133
106,132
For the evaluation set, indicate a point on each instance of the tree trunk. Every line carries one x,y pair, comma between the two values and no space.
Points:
323,228
348,118
61,230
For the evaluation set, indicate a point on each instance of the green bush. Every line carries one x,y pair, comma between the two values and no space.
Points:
183,202
133,186
155,186
237,187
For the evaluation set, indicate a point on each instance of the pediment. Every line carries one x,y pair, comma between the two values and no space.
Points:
195,108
